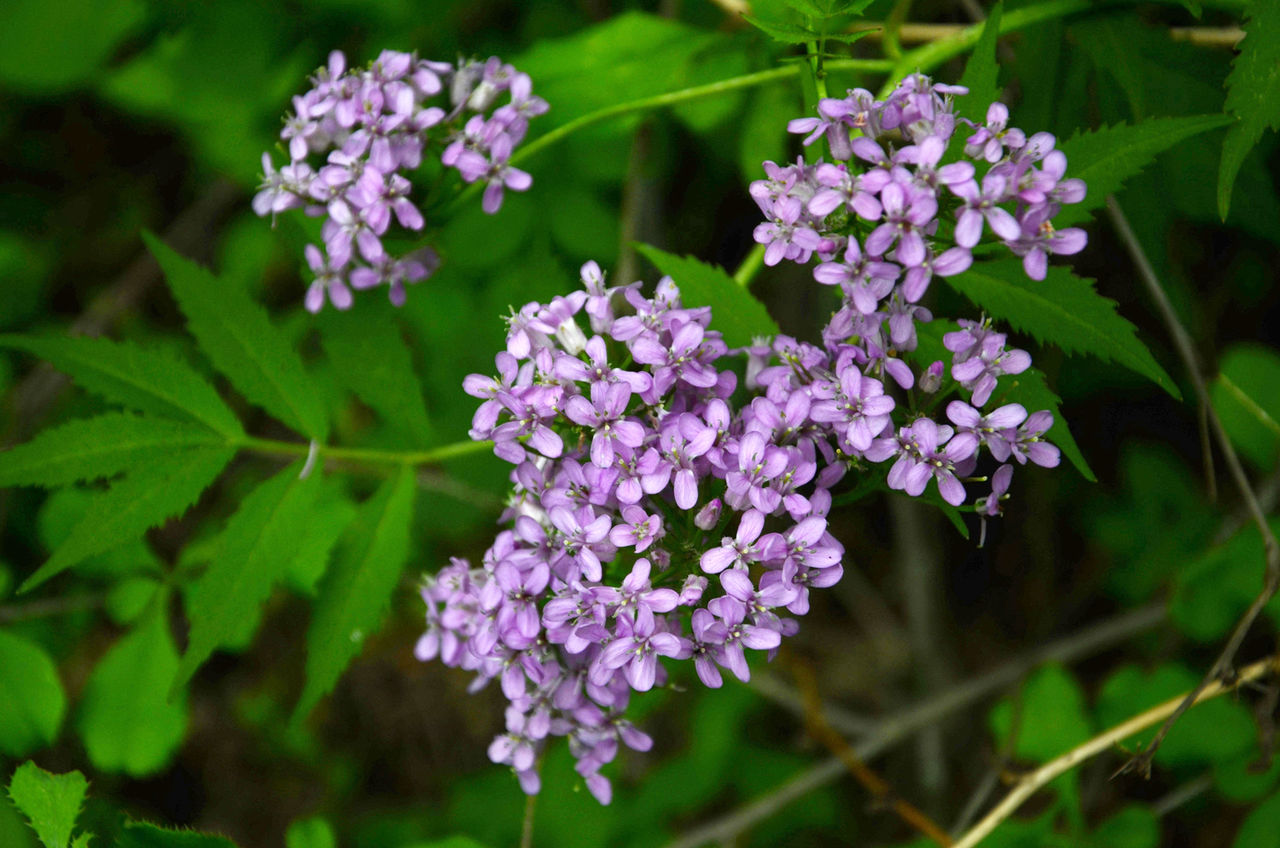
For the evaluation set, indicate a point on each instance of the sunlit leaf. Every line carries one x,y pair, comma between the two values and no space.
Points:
51,802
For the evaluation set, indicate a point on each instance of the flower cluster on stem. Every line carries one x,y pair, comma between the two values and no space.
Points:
356,137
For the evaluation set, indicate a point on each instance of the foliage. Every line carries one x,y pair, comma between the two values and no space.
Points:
217,511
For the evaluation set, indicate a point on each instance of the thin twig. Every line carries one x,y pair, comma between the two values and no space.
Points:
46,607
1029,784
883,793
1180,795
902,725
1271,576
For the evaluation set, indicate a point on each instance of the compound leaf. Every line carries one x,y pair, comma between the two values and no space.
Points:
355,589
141,378
92,448
1062,310
147,497
1253,93
237,336
255,550
735,312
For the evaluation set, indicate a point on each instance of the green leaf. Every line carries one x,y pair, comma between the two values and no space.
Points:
91,448
145,379
1062,310
1261,829
237,336
761,135
787,33
734,311
1245,397
1239,781
1132,827
49,49
1105,158
129,598
1053,719
146,498
370,357
309,833
981,70
330,517
147,835
51,802
355,590
1253,93
127,722
33,704
1214,589
1031,389
1213,731
256,548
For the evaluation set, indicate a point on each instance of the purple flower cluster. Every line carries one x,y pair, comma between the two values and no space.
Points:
877,211
661,509
371,128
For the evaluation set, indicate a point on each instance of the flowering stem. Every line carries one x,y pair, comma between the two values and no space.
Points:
751,265
373,455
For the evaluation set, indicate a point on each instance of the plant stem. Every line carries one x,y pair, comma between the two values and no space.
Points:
374,455
751,265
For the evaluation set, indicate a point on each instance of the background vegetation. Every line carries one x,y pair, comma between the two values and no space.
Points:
946,666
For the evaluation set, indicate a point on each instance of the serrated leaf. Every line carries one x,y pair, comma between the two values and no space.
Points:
330,518
1253,93
981,70
1106,157
255,551
92,448
1245,397
371,358
738,316
1062,310
356,587
1031,389
807,7
126,720
237,336
82,841
147,835
33,703
141,378
51,802
788,33
147,497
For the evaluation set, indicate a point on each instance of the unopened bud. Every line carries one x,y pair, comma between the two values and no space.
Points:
709,516
691,592
931,379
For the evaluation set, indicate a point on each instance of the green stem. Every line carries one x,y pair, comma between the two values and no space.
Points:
750,266
374,455
892,26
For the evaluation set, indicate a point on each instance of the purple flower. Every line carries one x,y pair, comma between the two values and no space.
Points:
1038,238
924,453
906,211
635,652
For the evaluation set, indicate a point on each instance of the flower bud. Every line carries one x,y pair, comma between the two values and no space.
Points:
931,379
691,592
709,516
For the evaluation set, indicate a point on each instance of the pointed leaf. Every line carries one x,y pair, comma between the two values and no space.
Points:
255,551
981,71
371,358
734,311
357,586
148,835
1062,310
145,379
127,722
237,336
91,448
146,498
51,802
33,702
1253,93
788,33
1105,158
